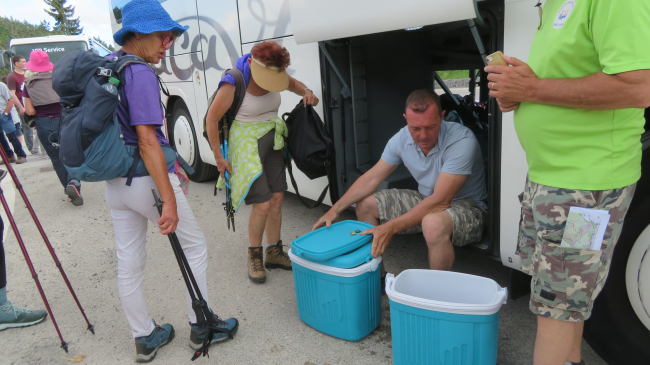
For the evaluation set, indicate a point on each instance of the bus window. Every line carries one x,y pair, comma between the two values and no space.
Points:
56,50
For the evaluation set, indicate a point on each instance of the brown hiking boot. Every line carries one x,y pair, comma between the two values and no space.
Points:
20,160
11,159
277,258
256,271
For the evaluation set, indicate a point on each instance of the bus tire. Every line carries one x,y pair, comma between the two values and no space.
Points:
183,137
615,330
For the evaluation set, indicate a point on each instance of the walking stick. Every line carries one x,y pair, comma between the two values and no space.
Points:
64,345
205,319
10,169
230,210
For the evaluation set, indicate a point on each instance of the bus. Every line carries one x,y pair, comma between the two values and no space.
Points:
362,58
56,46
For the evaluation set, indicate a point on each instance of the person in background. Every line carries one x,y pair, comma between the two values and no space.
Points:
15,81
10,315
7,124
148,32
579,118
256,142
42,102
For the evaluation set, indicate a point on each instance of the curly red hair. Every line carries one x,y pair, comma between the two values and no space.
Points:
271,54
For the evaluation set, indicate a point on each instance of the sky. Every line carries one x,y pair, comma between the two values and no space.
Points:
94,15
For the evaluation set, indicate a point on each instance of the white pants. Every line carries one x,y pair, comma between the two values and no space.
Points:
131,207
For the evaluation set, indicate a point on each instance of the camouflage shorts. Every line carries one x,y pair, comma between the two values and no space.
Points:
467,216
566,281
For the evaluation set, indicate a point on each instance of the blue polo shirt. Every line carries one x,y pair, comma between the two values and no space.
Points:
457,152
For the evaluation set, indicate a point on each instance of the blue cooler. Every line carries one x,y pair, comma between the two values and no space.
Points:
443,317
337,281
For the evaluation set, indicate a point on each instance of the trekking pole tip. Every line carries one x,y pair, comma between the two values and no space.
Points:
91,328
64,345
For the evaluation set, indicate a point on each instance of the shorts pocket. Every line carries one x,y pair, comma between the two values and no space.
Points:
565,277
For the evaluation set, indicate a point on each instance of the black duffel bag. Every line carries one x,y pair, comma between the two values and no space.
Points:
309,145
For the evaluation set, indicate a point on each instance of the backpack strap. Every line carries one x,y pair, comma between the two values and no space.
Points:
240,93
295,185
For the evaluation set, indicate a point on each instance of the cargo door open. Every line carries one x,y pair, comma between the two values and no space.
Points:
319,20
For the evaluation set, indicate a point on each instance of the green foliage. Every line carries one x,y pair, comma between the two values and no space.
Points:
100,41
63,17
453,75
13,28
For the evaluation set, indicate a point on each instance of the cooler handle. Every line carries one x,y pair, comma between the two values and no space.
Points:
504,292
374,264
390,279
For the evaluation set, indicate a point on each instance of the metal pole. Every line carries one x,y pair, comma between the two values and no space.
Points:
10,169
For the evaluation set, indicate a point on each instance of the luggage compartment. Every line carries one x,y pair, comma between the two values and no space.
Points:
381,70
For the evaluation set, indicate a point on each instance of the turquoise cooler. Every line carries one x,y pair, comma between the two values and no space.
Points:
443,317
337,281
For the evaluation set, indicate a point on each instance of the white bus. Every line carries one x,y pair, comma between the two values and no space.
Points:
56,46
362,58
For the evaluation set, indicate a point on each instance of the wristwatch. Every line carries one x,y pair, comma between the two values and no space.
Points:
305,91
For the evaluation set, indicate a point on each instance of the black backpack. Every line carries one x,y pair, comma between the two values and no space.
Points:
309,145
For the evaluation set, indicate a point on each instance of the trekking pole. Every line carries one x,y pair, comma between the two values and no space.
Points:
64,345
205,320
10,169
230,210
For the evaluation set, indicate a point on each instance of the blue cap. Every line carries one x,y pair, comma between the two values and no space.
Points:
145,17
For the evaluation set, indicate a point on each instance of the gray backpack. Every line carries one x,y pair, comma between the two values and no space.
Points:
91,143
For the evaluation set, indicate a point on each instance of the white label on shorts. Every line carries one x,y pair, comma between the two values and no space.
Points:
563,14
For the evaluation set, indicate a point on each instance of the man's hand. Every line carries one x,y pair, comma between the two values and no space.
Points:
511,85
326,220
22,110
222,164
168,219
309,98
382,235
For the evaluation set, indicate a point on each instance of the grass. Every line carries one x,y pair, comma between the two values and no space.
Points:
453,75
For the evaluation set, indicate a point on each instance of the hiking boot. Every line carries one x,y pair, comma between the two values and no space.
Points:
20,160
147,347
74,195
277,258
10,316
256,271
196,339
11,159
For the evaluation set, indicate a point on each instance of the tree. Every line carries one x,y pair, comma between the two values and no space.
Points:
62,15
101,42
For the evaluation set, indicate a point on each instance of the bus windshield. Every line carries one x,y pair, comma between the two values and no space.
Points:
55,50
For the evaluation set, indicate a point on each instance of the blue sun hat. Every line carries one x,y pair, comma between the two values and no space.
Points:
145,17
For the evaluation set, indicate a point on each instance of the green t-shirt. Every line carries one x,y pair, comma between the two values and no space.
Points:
576,148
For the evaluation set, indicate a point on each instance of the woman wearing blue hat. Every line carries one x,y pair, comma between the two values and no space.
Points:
147,32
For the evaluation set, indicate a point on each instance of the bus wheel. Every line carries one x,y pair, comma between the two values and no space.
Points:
619,329
183,137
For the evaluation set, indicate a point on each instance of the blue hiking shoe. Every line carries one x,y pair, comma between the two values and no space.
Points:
11,316
196,340
147,347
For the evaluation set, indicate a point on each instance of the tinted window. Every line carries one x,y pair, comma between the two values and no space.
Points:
55,50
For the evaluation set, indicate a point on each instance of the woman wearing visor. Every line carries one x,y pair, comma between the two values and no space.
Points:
256,161
147,32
